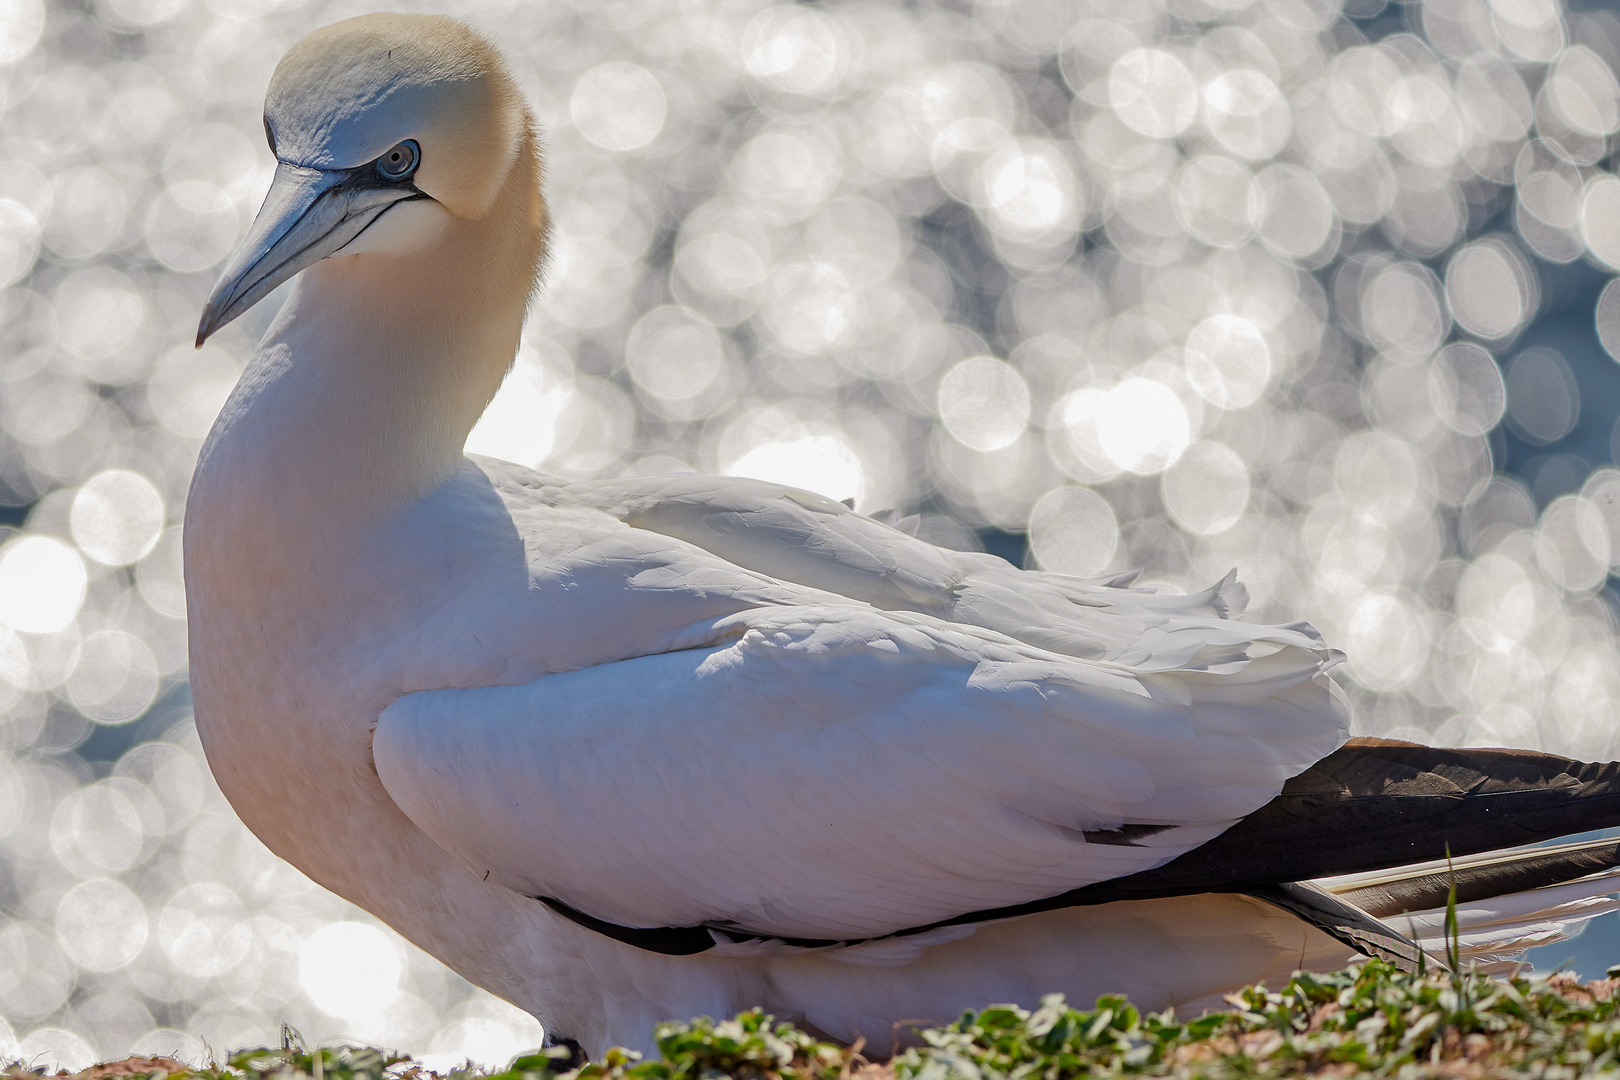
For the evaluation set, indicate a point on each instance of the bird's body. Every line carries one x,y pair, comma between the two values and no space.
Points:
500,578
635,749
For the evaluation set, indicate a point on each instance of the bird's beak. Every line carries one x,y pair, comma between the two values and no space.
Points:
307,215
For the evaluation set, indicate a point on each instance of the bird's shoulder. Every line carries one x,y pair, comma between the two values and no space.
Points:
798,538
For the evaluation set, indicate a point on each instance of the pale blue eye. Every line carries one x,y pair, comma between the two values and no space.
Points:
401,161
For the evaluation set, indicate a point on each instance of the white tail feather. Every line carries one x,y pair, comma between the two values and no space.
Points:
1494,932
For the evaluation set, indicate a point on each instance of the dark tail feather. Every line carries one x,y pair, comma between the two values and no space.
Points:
1426,886
1376,803
1340,918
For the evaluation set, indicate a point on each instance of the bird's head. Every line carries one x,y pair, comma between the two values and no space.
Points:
387,130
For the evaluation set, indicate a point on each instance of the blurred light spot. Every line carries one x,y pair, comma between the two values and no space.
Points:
1427,214
1387,642
785,173
13,790
98,311
1246,113
1356,176
1379,475
795,49
350,969
1607,317
983,403
16,666
726,254
1153,92
481,1040
1543,399
219,156
176,777
1295,215
1216,200
964,110
1573,544
1600,220
189,386
1531,28
858,236
141,13
42,584
1496,602
1466,389
204,930
673,354
21,23
55,1048
1073,531
45,662
1228,361
618,106
811,308
115,679
1425,125
521,423
1401,309
1030,192
1358,85
1491,288
1582,89
1142,425
88,208
98,830
1551,194
116,517
160,576
1552,475
101,924
1207,489
1078,448
821,463
593,430
1090,49
191,226
34,975
19,241
1602,491
113,1021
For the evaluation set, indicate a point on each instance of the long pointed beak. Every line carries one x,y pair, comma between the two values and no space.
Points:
307,215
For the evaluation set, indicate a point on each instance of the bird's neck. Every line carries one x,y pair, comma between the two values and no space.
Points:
362,395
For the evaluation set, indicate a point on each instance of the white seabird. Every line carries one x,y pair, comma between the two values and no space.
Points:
639,749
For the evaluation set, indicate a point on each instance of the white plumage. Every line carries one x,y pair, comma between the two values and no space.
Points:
444,687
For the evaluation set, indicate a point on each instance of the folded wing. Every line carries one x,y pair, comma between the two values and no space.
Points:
808,539
844,772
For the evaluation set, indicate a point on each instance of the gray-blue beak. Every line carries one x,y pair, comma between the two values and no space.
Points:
307,215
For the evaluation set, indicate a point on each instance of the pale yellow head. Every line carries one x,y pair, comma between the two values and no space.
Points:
387,130
347,93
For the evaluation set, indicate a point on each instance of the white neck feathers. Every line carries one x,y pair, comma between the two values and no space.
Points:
362,394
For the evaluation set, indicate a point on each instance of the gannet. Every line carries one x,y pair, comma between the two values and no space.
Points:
646,748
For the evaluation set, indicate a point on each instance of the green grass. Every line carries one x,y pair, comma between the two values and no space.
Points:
1369,1019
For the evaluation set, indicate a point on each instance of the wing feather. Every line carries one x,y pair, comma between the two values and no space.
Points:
842,772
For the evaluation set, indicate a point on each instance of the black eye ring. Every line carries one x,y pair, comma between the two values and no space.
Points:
400,162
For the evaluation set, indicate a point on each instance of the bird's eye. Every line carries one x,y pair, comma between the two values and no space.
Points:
401,161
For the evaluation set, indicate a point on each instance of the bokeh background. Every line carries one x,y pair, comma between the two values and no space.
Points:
1320,290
